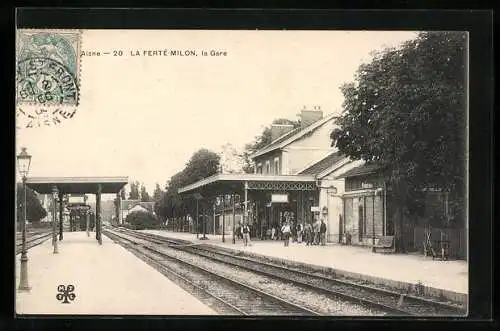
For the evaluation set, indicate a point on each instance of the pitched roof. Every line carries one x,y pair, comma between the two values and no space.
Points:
365,169
292,136
323,164
128,204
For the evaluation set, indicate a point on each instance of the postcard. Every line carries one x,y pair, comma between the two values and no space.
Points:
238,172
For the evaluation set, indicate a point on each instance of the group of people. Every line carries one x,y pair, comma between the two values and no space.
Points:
310,234
243,232
314,234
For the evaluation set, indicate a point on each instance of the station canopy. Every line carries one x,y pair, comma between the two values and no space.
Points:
235,183
77,185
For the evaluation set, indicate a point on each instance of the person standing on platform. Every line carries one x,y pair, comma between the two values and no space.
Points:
299,232
306,233
315,228
322,232
286,233
239,231
245,231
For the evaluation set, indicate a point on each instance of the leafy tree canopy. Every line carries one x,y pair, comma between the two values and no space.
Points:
142,220
134,191
144,194
202,164
34,209
157,192
406,110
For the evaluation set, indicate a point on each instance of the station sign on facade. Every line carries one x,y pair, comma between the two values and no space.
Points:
76,199
279,198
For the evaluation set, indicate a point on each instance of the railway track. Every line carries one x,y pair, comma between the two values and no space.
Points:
225,295
382,299
32,239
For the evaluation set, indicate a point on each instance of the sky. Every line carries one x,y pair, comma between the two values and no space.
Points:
144,116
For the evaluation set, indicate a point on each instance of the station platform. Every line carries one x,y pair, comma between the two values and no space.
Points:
107,279
447,276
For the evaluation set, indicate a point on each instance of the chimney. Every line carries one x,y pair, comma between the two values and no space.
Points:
307,117
277,130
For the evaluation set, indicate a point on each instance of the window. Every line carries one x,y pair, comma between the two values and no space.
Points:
276,165
259,168
268,167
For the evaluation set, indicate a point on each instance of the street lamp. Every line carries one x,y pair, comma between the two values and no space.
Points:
332,191
87,215
55,193
24,162
64,203
198,197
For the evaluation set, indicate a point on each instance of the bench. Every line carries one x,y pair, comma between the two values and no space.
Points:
385,243
443,253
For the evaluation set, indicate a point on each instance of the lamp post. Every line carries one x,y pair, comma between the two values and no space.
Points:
55,193
198,197
373,221
234,219
24,162
204,224
87,216
223,218
214,217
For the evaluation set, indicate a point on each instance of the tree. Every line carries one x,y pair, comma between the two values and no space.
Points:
406,111
140,220
34,209
172,205
157,197
203,164
231,161
157,192
144,194
262,140
134,191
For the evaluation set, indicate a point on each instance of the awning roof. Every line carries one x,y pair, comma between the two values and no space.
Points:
365,169
76,185
235,183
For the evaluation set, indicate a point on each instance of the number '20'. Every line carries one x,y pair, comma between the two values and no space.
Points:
117,53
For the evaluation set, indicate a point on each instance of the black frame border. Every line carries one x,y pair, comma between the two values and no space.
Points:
479,23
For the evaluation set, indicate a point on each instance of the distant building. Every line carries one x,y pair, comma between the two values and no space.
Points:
129,206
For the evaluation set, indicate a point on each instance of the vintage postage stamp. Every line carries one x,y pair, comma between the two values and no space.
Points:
47,76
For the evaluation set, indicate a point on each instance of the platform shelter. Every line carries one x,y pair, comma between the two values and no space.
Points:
59,187
266,198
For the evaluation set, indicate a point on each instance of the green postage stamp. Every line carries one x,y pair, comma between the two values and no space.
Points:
48,75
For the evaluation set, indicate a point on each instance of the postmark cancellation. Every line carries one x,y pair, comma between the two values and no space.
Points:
47,75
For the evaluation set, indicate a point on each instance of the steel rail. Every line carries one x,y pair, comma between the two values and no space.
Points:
286,306
410,301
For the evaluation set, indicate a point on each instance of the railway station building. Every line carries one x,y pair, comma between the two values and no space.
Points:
370,212
294,179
